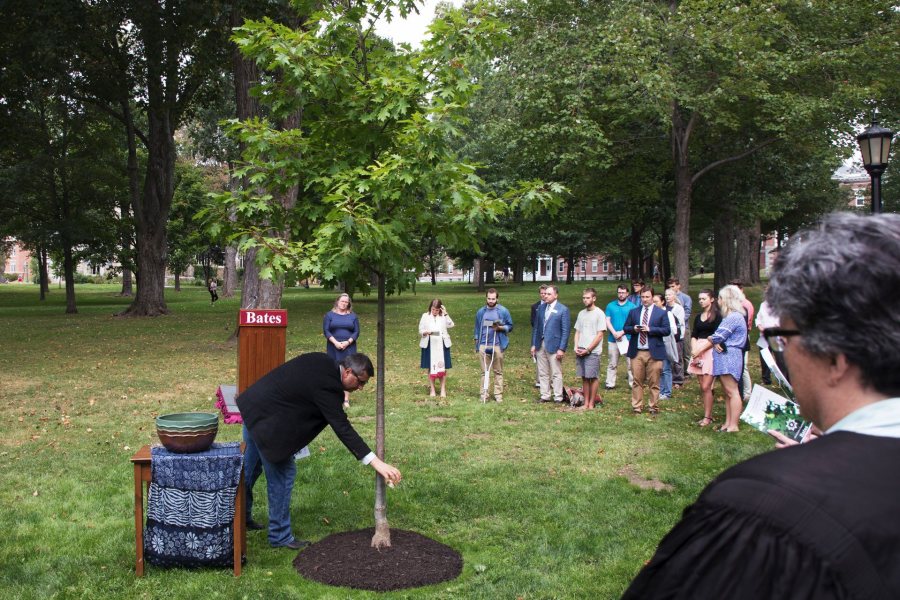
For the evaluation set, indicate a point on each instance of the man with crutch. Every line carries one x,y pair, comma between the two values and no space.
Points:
492,326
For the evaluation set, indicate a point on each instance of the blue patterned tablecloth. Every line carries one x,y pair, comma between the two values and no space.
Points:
190,509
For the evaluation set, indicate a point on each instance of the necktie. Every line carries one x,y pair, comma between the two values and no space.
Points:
645,318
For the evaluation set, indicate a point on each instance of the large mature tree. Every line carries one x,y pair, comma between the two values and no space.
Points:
146,62
747,73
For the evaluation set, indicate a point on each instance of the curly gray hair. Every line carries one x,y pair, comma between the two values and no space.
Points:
838,282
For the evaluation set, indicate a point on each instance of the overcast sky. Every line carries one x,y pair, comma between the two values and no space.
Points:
412,29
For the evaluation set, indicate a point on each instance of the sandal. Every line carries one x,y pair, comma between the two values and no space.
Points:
705,422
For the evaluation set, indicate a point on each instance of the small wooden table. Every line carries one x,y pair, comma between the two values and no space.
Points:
141,461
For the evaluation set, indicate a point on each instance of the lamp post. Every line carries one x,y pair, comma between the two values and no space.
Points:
875,146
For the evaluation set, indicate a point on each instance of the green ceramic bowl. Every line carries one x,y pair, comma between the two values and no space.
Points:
187,421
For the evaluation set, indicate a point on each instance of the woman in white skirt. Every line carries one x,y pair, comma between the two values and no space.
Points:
435,344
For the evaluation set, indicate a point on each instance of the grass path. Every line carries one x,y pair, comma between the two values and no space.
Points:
542,501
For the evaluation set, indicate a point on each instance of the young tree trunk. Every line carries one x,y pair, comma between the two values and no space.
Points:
683,190
382,537
554,273
177,282
489,272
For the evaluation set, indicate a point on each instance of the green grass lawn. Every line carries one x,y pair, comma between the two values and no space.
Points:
541,501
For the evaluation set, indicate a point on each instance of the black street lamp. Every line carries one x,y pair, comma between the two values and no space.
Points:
875,146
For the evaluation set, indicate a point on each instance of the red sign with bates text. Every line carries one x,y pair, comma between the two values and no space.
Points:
263,317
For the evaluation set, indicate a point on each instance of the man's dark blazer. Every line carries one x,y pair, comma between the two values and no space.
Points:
289,406
659,328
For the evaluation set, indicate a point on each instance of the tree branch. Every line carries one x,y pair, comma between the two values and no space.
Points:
730,159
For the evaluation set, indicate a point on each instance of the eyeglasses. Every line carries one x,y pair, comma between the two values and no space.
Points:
776,337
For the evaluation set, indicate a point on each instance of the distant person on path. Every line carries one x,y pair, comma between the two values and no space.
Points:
590,326
817,520
648,325
728,343
434,340
542,291
212,286
705,324
283,412
492,326
340,326
548,344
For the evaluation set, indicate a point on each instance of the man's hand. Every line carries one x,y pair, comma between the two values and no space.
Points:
533,351
390,473
560,354
618,334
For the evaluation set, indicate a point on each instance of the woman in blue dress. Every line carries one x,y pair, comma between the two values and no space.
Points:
728,354
341,328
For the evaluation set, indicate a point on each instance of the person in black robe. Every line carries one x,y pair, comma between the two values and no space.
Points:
822,519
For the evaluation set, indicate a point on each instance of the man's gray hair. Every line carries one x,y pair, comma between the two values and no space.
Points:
359,363
838,282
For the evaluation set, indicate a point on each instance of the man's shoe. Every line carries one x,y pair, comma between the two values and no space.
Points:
294,544
663,397
610,387
654,411
254,526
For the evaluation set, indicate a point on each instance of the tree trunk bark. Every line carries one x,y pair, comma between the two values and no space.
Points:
382,537
126,257
636,252
755,249
230,272
724,248
554,274
477,279
681,135
743,261
151,212
69,270
43,272
666,266
177,282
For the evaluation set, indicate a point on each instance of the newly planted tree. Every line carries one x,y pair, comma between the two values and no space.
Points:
372,160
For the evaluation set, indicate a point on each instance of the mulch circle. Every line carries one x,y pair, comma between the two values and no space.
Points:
348,560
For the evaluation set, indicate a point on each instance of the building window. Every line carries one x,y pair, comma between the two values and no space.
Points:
583,265
560,267
593,265
606,266
859,197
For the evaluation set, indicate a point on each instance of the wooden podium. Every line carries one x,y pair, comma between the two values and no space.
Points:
261,343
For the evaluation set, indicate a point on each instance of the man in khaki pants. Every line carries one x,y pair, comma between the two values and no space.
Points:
648,325
492,324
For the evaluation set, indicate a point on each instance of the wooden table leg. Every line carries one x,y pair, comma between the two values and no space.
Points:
240,526
139,519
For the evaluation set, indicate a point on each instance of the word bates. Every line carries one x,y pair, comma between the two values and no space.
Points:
263,318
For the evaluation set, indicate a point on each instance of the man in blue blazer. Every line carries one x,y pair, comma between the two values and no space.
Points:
548,343
648,325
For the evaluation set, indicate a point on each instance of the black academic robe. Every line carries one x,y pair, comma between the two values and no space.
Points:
820,520
290,405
